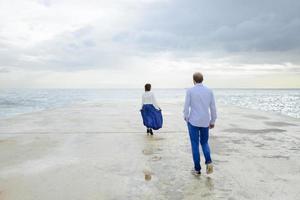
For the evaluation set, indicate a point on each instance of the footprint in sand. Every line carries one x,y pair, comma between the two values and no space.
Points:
151,151
156,158
148,175
147,152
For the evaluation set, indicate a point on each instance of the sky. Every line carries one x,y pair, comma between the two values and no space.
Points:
126,43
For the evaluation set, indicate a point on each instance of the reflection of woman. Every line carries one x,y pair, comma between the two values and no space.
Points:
150,111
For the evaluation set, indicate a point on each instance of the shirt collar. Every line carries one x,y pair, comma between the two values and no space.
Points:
198,84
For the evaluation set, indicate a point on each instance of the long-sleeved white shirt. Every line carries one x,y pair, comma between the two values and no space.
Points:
148,98
199,107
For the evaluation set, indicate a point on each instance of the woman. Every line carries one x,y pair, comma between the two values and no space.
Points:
151,112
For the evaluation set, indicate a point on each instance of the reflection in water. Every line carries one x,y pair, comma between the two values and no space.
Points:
209,183
201,186
172,178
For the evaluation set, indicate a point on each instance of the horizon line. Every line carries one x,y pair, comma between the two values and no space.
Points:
160,88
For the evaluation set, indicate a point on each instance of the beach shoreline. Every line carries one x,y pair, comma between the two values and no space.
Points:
101,151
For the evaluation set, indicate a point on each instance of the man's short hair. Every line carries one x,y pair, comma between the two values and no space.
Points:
147,87
198,77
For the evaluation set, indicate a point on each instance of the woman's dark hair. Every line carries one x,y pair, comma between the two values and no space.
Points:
198,77
147,87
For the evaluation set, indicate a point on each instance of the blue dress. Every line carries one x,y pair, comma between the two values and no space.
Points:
152,118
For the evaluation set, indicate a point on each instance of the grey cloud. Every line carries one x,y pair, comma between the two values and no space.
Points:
230,26
4,70
71,51
248,32
45,3
9,55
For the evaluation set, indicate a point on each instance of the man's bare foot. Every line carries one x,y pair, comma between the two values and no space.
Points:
209,168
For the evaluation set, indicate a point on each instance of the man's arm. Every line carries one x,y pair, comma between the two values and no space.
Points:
213,112
187,103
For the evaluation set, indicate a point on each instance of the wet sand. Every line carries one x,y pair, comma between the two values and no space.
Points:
101,151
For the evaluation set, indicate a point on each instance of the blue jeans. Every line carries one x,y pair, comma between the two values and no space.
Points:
196,134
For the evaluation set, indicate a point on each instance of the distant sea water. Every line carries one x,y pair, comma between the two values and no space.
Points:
19,101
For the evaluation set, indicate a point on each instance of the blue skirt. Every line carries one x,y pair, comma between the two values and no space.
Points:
152,118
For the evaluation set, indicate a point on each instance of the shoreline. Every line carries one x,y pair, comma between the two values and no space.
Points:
81,151
78,104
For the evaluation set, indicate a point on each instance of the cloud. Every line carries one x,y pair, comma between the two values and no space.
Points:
159,36
232,27
4,70
46,3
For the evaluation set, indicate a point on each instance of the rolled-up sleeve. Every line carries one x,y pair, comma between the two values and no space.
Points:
213,110
187,103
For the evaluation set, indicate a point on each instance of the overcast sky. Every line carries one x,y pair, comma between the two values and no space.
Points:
125,43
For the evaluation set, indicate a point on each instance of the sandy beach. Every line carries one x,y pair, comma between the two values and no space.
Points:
101,151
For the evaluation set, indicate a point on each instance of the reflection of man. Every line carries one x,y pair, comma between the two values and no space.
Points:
200,115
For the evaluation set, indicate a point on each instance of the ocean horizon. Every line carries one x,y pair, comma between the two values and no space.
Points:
20,101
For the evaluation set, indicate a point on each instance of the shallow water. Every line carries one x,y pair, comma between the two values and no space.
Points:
46,151
18,101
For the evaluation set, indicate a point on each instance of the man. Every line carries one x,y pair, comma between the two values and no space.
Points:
200,115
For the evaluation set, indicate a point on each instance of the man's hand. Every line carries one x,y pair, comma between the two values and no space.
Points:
211,126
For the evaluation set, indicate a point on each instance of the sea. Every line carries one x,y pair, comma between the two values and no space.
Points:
19,101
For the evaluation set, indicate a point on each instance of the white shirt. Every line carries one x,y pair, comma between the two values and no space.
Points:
199,107
148,98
